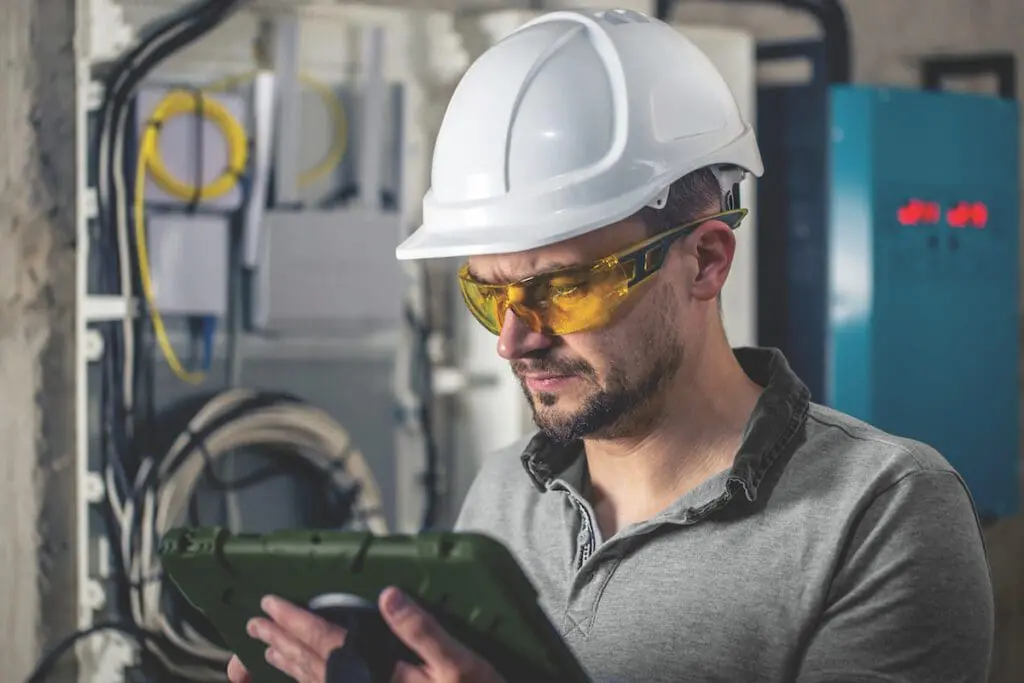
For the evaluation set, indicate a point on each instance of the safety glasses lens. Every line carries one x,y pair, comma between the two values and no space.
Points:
487,303
560,303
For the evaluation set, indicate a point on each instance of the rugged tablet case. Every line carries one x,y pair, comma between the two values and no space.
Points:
469,582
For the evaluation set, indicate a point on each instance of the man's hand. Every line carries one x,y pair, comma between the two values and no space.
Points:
300,642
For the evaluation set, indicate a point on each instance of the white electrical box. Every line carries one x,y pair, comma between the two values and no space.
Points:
329,273
188,262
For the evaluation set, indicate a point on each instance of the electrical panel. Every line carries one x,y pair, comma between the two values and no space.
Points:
923,307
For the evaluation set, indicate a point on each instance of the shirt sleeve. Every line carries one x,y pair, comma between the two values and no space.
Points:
911,601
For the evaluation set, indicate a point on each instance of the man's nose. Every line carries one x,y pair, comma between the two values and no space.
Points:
517,340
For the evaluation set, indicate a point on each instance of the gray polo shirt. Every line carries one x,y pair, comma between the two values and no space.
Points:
830,552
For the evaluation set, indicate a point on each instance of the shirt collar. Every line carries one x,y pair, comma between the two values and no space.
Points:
778,417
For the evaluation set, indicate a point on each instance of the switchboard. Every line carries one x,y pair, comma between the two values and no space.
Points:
923,250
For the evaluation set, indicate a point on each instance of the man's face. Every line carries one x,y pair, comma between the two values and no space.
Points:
604,382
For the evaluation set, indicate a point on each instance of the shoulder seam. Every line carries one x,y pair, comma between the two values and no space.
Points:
860,436
907,475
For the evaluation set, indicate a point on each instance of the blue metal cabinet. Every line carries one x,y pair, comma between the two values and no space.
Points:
921,330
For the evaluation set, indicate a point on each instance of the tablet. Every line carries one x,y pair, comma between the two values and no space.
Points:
469,582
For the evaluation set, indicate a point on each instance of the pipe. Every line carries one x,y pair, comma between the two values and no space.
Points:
830,17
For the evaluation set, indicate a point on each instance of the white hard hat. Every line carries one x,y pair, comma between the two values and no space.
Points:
576,120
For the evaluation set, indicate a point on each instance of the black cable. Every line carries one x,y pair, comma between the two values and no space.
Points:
424,390
177,420
200,123
116,423
121,84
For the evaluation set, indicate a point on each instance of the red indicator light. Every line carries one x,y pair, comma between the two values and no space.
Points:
979,215
968,214
916,212
963,215
958,216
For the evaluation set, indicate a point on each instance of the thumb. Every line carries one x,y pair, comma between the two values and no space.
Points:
420,631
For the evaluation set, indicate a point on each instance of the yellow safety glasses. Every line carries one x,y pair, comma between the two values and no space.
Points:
577,298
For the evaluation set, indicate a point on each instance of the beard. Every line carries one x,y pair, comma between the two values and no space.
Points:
617,405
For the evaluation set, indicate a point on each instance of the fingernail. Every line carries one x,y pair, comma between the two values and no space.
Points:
268,603
271,655
395,600
253,628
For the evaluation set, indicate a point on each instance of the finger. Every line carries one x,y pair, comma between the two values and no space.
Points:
317,634
237,673
299,670
405,672
287,653
421,632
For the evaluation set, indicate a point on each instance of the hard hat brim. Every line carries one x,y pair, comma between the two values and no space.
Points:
426,244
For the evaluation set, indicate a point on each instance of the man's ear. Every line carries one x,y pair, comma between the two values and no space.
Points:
715,246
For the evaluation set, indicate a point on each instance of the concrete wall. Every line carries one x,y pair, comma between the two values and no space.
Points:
889,37
37,199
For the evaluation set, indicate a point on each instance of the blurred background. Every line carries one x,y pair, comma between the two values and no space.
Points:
202,320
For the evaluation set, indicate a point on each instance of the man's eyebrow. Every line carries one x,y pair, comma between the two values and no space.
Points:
549,267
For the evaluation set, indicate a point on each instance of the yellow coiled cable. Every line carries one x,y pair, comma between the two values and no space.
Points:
180,103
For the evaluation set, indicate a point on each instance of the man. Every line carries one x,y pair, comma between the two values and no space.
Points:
685,512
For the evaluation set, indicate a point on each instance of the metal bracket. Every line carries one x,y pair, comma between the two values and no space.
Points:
98,308
93,345
90,204
94,92
286,31
371,153
95,489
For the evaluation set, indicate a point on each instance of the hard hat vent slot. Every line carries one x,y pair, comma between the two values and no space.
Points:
617,17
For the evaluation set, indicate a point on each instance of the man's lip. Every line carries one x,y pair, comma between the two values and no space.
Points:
546,383
544,377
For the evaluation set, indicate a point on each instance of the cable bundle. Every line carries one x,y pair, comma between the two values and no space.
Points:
229,422
112,234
